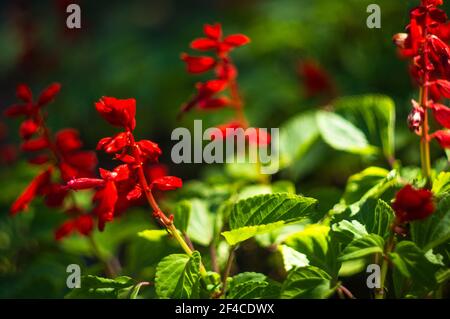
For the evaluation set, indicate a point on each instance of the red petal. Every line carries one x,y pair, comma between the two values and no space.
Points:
442,114
213,31
118,112
31,191
444,87
68,140
36,144
135,193
236,40
113,144
28,128
19,109
24,93
150,150
214,103
85,183
198,64
213,86
64,230
49,93
167,183
204,44
84,224
443,138
39,160
156,171
121,172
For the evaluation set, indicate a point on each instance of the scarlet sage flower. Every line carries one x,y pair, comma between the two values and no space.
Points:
61,152
127,184
413,204
221,91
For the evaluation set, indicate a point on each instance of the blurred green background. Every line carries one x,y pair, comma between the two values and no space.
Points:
132,49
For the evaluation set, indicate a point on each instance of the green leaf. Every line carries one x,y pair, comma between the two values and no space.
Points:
374,115
201,224
434,230
342,135
307,283
412,263
441,184
349,230
250,285
183,214
296,137
100,288
360,183
177,276
319,247
292,258
153,234
361,247
379,221
265,213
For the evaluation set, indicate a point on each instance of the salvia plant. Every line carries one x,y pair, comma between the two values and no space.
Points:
387,236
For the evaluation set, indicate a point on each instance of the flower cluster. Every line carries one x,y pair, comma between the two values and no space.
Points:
413,204
60,157
425,43
127,184
211,95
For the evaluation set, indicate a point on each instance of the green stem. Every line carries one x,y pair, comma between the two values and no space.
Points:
380,292
226,274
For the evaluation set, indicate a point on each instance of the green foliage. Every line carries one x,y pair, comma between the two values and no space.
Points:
105,288
178,276
307,283
249,285
342,135
361,247
265,213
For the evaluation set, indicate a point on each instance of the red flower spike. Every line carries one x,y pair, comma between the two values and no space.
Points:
107,199
413,204
167,183
49,94
118,112
198,64
32,190
28,128
24,93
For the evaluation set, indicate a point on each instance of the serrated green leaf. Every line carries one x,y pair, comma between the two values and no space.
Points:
434,230
342,135
441,184
100,288
361,247
412,263
265,213
249,285
307,283
349,230
177,276
378,221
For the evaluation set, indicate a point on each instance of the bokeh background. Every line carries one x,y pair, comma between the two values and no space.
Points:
132,49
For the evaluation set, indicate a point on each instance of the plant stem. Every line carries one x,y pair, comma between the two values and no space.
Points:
424,141
213,254
228,269
110,267
380,292
165,221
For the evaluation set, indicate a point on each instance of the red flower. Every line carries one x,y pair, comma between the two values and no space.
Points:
33,189
118,112
49,94
28,128
114,144
443,138
198,64
413,204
